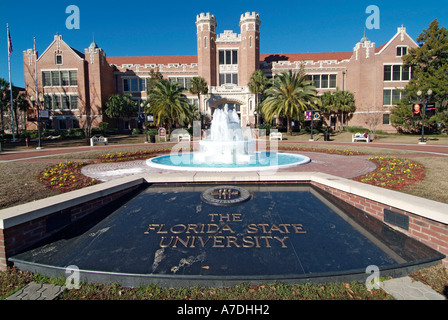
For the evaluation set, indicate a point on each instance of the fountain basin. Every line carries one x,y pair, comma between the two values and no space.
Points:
258,161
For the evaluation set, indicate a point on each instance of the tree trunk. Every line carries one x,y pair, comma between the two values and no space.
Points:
288,119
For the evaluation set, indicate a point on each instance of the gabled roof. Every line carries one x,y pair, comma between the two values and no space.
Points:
401,30
59,38
119,61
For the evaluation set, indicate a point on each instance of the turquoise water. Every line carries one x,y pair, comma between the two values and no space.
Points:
259,160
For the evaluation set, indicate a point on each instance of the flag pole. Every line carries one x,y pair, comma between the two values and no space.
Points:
10,82
39,146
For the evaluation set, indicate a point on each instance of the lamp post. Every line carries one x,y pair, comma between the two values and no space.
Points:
142,109
419,93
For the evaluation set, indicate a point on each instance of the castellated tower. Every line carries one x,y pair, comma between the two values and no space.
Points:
250,46
206,38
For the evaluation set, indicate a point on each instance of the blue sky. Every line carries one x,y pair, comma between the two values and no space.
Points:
144,27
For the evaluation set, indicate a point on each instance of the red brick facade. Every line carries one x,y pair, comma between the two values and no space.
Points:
432,233
226,61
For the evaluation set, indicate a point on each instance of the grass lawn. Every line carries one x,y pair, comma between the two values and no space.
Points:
19,183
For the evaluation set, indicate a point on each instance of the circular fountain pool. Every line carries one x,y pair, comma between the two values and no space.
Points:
258,161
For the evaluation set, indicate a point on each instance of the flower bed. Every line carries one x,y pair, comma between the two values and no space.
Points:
393,173
131,156
66,177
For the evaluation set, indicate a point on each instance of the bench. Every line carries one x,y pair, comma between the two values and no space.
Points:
53,137
276,136
360,137
96,140
184,137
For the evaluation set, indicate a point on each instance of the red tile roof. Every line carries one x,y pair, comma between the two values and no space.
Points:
152,60
319,56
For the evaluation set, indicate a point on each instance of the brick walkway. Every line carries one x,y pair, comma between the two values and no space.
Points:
37,291
320,162
441,150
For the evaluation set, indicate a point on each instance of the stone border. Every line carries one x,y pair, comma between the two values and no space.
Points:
24,225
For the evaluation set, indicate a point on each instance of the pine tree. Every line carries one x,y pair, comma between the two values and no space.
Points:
429,65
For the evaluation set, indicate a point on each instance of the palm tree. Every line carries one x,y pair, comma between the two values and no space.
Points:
118,106
339,102
290,94
199,86
168,103
328,104
346,103
4,98
258,83
21,105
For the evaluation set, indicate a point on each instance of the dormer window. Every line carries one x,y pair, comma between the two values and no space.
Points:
58,59
402,51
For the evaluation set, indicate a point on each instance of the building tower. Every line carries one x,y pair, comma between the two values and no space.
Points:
206,40
250,46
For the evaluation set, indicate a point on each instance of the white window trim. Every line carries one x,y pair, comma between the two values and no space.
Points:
63,94
401,72
402,46
390,88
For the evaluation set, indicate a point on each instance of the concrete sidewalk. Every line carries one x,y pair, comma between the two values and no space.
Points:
407,288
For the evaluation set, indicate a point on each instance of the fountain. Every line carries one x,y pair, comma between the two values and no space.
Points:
228,142
228,147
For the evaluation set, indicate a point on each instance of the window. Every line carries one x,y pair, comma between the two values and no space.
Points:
228,57
65,102
58,59
134,84
333,83
48,102
60,78
65,78
46,79
228,78
323,81
56,102
73,78
126,85
61,102
184,82
397,73
402,51
73,102
55,79
392,96
142,84
386,118
62,124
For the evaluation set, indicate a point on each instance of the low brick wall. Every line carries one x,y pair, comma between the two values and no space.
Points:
16,237
430,232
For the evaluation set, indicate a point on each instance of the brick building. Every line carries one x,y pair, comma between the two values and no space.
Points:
74,86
